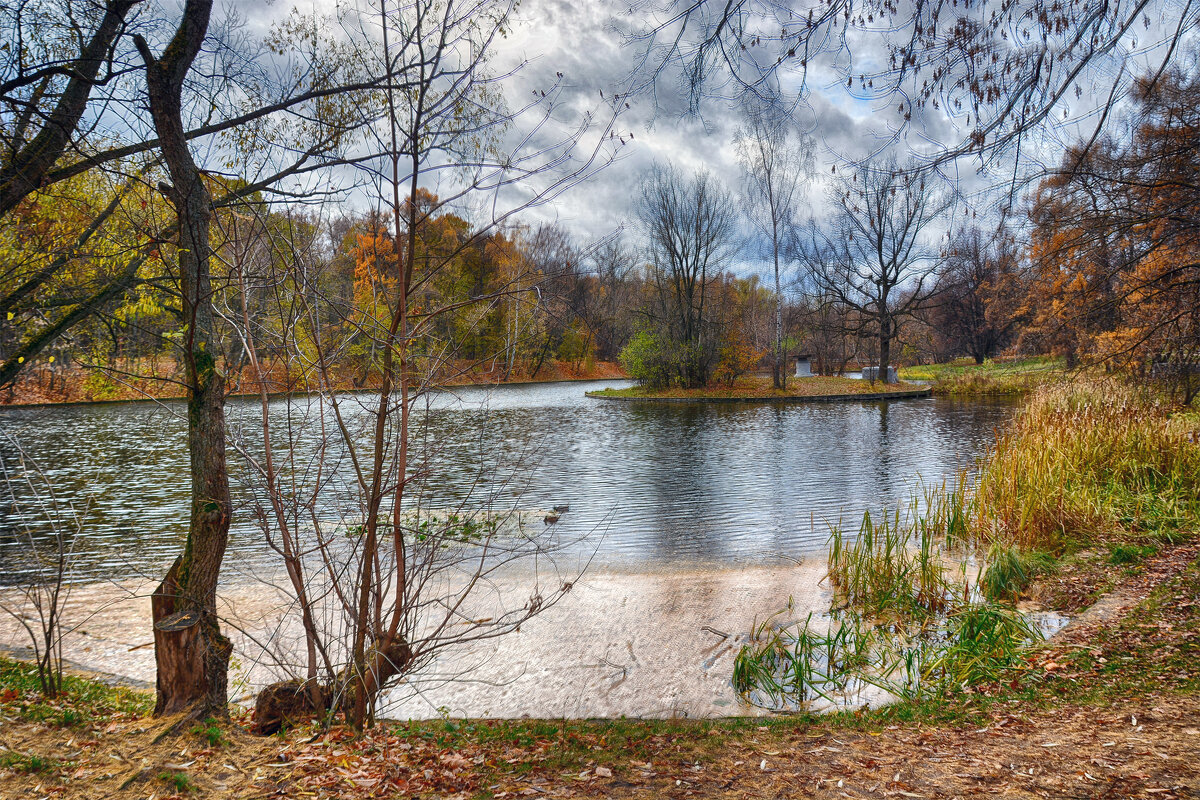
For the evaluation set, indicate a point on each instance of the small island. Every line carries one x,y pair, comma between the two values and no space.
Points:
758,389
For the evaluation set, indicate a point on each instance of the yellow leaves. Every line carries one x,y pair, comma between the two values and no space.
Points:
145,304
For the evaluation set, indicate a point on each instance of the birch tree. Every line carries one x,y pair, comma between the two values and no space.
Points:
775,164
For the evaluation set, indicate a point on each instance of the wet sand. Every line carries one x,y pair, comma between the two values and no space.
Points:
637,644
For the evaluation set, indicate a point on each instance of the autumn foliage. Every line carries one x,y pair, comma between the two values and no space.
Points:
1115,250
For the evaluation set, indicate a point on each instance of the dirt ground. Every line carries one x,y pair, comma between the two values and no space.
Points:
1144,749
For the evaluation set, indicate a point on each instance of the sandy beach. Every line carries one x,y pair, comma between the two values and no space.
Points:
638,644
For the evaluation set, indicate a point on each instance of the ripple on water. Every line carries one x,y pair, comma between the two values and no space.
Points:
650,484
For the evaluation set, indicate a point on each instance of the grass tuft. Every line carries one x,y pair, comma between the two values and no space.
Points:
1010,571
1121,554
27,762
178,782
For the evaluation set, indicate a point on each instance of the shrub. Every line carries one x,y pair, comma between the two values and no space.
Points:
735,359
649,361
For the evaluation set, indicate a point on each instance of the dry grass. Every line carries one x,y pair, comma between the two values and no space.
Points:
1084,462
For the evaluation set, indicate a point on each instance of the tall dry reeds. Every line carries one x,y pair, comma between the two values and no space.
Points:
1084,461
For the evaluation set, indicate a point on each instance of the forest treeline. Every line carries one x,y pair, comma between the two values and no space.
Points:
1100,268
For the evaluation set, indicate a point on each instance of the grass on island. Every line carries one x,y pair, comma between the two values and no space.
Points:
992,377
759,387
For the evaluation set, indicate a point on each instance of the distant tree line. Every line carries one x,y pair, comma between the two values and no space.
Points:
1101,268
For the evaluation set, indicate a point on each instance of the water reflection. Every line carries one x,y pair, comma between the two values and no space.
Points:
665,484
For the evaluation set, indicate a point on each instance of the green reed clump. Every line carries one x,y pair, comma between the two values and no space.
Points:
783,664
1085,459
906,622
1010,571
895,566
783,667
983,642
790,666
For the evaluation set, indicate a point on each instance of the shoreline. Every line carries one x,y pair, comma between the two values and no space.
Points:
277,395
618,645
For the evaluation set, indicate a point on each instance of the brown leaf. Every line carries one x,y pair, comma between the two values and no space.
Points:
455,760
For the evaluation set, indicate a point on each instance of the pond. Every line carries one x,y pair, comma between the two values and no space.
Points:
695,521
681,486
691,485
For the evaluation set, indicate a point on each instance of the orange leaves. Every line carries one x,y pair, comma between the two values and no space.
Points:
1115,246
737,357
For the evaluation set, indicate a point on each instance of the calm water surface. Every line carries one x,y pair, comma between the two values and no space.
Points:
654,485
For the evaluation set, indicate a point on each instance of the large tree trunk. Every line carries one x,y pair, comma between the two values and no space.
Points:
191,653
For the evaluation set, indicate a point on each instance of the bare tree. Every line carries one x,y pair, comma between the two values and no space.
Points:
875,255
613,264
385,572
775,163
828,330
690,225
980,290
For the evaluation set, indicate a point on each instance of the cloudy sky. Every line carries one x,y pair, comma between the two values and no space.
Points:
587,43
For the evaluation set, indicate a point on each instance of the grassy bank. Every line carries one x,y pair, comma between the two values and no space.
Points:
965,377
1091,463
1130,685
758,388
1092,479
